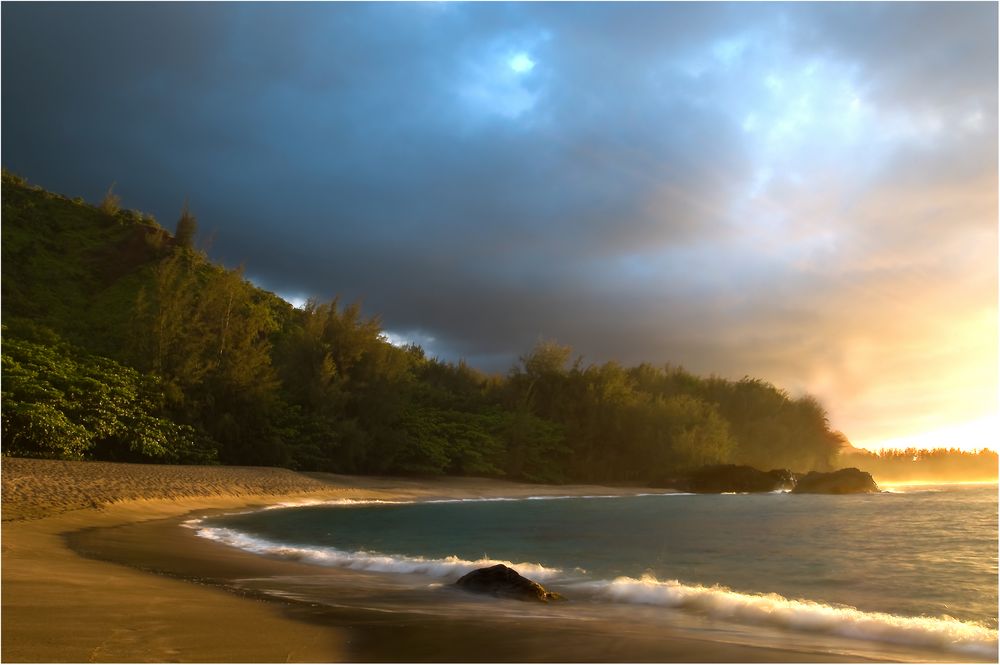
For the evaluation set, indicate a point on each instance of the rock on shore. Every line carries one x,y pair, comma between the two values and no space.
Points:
735,478
842,481
500,580
719,478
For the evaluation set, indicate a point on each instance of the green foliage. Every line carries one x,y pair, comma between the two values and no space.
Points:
207,332
38,429
187,227
70,267
121,343
61,403
536,447
914,464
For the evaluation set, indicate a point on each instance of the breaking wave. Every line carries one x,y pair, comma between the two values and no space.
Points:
479,499
448,567
552,497
804,615
716,601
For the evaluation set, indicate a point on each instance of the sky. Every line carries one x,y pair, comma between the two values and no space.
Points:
805,193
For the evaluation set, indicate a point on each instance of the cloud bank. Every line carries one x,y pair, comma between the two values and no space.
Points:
801,192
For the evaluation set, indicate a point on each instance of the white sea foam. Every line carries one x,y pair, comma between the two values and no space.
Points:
772,609
766,609
448,567
306,503
665,494
551,497
303,503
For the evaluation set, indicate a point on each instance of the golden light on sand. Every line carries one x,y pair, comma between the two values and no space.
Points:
971,435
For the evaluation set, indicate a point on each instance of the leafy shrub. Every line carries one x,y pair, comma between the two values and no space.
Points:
39,429
59,402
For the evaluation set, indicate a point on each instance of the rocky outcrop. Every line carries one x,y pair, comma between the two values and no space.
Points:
842,481
734,478
499,580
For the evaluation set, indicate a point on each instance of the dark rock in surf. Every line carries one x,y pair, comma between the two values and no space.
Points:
842,481
499,580
735,478
784,479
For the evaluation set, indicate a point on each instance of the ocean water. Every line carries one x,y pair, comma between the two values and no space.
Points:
914,566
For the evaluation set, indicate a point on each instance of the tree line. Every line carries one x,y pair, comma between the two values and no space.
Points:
138,348
907,464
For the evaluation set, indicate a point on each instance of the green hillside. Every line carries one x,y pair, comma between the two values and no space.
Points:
124,342
70,267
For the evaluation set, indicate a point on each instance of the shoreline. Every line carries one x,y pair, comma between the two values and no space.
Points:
79,584
467,629
59,606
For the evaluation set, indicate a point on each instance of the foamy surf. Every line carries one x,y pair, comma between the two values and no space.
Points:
308,503
347,503
920,621
550,497
448,567
805,615
716,601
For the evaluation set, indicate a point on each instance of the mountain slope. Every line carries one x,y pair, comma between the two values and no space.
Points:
123,342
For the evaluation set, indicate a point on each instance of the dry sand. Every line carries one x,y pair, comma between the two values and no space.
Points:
60,606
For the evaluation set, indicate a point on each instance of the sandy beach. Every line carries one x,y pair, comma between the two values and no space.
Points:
83,543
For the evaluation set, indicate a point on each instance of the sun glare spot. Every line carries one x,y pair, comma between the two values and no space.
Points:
521,63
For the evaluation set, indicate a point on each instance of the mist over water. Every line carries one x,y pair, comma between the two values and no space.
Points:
915,566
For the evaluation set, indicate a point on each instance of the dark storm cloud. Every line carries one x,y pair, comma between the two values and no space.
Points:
713,184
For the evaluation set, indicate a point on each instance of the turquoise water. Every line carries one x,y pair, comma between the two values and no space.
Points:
916,565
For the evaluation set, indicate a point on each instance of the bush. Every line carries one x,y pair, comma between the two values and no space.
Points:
40,429
61,403
111,203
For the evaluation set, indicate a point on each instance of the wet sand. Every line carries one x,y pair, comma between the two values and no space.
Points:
96,568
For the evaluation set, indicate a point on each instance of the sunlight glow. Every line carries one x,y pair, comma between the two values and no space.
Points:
972,435
419,338
499,84
395,339
296,301
521,63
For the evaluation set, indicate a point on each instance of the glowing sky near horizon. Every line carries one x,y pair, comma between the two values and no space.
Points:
805,193
970,436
